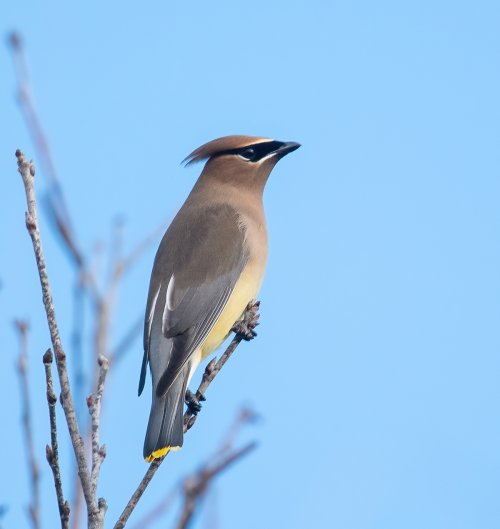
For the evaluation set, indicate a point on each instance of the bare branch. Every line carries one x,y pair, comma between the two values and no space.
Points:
157,511
52,451
27,171
244,416
244,329
139,491
57,208
104,303
94,404
121,266
34,469
196,486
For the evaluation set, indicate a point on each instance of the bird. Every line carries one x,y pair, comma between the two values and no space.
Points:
208,267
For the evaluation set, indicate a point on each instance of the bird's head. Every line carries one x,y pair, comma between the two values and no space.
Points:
242,160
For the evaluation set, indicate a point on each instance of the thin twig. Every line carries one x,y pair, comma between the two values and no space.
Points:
139,491
34,469
94,404
104,304
157,511
57,207
245,330
122,266
52,451
27,171
54,201
243,417
196,486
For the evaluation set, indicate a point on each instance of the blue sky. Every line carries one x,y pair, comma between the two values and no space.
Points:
376,366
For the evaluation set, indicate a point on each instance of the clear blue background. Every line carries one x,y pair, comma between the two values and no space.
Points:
376,369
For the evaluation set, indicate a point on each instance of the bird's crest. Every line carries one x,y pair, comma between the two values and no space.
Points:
220,145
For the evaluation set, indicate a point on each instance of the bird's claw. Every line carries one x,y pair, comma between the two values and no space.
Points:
193,401
245,327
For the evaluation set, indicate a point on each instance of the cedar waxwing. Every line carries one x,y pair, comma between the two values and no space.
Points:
209,265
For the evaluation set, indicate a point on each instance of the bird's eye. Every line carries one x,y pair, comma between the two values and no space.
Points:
248,154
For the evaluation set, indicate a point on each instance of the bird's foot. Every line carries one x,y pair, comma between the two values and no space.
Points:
245,327
193,401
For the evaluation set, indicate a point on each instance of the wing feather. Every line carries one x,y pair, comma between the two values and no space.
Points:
200,259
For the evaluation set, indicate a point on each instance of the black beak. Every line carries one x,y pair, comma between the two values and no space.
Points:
287,147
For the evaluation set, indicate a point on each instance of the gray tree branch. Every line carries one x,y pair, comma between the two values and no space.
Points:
94,404
95,510
195,487
223,454
52,451
33,467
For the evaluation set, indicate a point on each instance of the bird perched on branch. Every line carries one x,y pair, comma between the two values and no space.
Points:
209,265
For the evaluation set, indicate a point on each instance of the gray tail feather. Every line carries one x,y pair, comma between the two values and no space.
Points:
166,419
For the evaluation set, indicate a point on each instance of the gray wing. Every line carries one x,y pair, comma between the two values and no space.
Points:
197,265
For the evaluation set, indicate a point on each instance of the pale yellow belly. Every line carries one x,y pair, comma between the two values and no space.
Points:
245,290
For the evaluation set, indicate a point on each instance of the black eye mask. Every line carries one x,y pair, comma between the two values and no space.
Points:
254,153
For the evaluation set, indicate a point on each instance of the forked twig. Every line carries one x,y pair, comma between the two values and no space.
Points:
95,510
52,451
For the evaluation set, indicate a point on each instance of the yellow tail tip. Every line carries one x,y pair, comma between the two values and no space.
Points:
157,454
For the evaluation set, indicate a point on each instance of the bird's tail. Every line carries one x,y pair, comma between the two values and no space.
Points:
166,419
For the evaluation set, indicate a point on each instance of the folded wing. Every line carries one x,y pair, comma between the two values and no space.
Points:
197,265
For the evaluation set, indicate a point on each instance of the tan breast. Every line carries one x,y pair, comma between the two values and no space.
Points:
247,288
